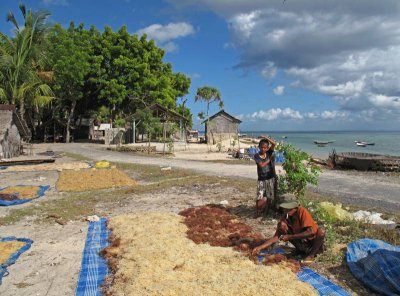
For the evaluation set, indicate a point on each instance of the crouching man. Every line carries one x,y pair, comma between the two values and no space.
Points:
298,227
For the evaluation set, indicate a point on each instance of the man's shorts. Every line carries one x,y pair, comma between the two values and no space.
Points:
266,189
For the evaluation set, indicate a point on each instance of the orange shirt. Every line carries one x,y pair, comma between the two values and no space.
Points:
300,221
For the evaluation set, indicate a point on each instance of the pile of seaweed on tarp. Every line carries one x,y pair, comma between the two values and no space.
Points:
10,249
376,264
94,267
213,224
15,195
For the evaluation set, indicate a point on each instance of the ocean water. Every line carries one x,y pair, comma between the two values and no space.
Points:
387,143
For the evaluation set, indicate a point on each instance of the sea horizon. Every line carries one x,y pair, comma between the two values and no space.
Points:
384,142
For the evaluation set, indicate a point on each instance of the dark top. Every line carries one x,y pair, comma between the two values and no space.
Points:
267,172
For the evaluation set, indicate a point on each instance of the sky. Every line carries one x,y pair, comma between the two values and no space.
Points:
280,65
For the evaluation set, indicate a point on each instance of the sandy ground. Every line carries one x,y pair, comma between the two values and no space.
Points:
51,266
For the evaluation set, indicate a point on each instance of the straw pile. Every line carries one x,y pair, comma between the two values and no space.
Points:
49,167
82,180
7,248
154,257
23,192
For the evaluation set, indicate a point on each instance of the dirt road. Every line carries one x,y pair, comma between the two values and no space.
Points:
370,190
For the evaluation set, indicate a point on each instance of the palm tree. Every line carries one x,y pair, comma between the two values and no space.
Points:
209,95
21,58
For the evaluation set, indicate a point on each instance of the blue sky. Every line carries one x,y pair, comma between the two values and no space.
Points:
280,65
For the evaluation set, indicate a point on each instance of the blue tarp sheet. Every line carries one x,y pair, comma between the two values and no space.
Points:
307,275
41,191
94,268
376,264
15,255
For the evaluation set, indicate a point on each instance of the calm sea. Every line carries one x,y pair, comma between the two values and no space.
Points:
385,142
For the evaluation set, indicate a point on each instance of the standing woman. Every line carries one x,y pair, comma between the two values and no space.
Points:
266,176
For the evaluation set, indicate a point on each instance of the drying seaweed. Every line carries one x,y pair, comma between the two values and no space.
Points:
213,224
21,192
154,257
90,179
7,248
7,196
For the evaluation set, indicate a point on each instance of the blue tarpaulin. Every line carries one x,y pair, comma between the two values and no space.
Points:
324,286
13,257
376,264
41,191
94,268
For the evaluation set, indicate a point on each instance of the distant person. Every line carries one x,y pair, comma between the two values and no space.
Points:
299,228
264,159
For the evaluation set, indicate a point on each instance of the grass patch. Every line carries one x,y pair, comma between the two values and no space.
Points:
72,206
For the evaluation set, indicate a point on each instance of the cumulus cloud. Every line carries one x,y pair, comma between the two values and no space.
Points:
346,50
276,113
164,35
279,90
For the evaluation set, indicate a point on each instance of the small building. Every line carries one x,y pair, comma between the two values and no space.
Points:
221,126
166,116
13,131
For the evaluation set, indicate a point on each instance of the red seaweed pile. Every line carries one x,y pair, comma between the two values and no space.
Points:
8,196
271,259
213,224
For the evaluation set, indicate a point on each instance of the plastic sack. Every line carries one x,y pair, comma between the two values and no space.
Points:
102,164
335,211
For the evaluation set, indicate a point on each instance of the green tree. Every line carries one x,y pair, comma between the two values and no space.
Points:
150,124
70,53
299,171
22,58
209,95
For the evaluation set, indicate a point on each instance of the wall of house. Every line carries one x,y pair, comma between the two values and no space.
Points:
10,144
221,128
10,140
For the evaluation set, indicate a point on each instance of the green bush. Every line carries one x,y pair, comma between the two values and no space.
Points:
299,171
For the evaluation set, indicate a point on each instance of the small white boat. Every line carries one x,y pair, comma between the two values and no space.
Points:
363,144
322,143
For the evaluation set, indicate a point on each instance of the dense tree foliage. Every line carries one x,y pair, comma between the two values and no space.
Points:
21,60
104,75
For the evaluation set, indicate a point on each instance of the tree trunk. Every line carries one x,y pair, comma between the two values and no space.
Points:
71,114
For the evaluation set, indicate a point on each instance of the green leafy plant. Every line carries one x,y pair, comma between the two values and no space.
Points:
299,171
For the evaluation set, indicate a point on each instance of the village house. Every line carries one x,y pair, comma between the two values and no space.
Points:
221,126
13,132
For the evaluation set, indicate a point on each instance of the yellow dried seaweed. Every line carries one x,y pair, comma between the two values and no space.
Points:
156,258
49,167
24,192
82,180
7,248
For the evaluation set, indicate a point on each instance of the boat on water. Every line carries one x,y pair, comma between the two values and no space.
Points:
363,144
360,144
366,161
322,143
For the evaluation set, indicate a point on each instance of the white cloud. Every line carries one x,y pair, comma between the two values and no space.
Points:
168,32
279,90
275,113
346,50
164,35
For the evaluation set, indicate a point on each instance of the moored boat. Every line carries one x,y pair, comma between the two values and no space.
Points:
366,161
363,144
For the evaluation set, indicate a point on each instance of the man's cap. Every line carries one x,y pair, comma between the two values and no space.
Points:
287,197
289,205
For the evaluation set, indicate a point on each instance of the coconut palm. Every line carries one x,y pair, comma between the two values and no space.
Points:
21,58
209,94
